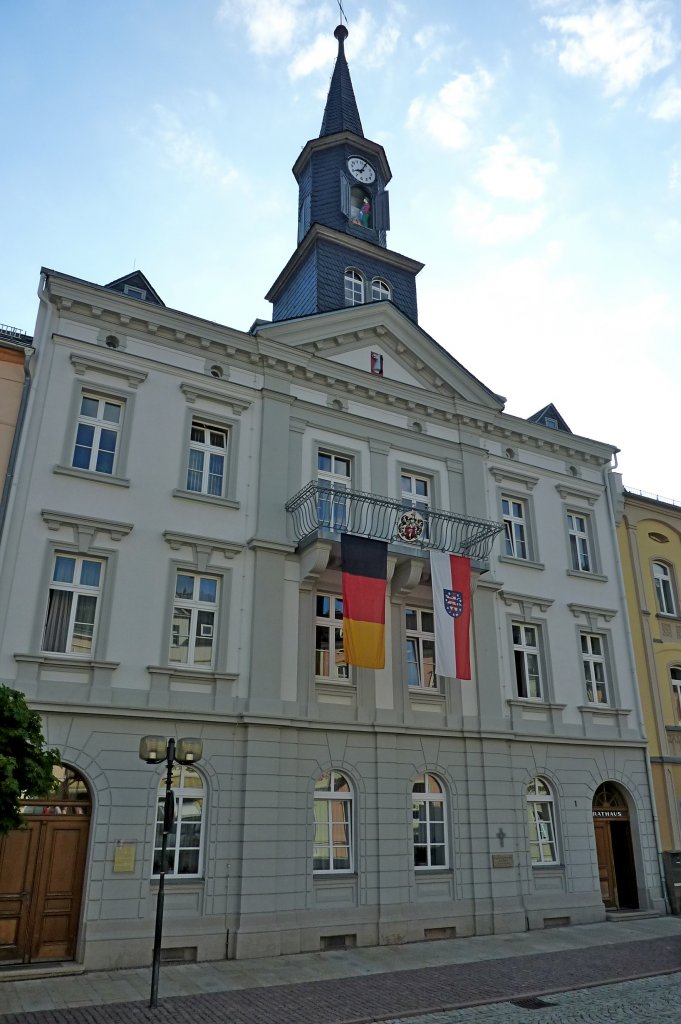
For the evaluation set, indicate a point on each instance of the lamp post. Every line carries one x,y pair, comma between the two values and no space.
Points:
155,750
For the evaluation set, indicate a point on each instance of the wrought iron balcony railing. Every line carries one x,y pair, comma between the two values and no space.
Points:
321,508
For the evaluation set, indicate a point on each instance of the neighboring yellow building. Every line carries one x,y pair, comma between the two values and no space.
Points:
15,352
650,546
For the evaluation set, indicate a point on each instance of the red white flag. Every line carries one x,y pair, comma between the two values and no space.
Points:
451,581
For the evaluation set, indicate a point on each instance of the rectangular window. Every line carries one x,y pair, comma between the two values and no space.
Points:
416,491
72,605
207,459
333,479
515,527
420,633
578,533
593,661
97,434
329,652
193,626
527,663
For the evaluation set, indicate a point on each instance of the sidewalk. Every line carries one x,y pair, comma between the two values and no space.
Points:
353,985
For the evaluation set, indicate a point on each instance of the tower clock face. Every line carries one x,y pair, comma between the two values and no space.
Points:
361,169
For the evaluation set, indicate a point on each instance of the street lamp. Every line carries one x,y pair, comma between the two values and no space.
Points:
154,750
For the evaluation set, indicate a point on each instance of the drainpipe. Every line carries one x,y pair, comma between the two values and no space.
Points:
607,479
29,352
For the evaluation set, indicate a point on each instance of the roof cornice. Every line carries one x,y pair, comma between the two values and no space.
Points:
338,139
320,232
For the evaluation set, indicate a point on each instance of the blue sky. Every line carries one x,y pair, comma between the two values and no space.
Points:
535,147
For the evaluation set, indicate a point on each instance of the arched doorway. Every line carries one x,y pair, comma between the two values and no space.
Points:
42,868
616,868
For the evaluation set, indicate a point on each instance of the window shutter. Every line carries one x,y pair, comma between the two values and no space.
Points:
344,195
382,212
304,217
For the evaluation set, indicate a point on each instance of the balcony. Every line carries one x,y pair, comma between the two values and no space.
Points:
318,510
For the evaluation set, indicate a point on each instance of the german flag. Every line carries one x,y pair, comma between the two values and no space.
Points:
365,564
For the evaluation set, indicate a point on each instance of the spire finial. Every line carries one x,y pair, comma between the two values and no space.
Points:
341,34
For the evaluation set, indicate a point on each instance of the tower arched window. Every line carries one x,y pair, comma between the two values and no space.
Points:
664,588
333,823
541,821
429,822
354,288
184,852
380,290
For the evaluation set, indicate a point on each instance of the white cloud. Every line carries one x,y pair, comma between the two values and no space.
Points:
506,174
318,55
485,224
674,180
186,149
667,105
447,118
428,40
271,25
620,43
374,44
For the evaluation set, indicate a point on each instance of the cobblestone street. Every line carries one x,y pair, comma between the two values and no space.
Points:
540,977
636,1002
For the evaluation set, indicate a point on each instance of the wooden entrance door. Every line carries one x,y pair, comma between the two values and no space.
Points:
41,883
606,863
42,868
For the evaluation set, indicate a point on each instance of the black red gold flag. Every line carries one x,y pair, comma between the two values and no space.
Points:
364,563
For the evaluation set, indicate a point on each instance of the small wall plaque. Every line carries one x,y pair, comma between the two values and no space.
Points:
124,857
502,860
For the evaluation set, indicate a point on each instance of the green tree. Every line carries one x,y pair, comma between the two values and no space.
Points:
25,765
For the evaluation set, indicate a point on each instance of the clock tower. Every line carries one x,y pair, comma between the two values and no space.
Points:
342,258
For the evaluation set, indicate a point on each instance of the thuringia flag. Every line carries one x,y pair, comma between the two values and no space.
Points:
451,580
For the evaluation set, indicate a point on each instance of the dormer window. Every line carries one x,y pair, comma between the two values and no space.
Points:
354,288
380,290
134,293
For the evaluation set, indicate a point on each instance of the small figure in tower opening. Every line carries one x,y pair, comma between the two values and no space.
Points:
365,213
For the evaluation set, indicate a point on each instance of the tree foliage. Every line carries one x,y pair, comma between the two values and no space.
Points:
26,767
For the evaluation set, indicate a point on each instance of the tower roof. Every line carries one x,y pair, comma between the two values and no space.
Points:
341,113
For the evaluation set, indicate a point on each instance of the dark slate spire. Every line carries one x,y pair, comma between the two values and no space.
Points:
341,113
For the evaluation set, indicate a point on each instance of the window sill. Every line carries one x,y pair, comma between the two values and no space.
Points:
668,616
209,499
432,872
527,563
88,474
191,673
63,660
331,685
187,880
547,865
607,710
596,576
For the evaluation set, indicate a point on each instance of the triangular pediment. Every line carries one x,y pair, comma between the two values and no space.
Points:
377,340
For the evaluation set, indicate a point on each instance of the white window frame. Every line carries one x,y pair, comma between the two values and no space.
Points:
78,591
516,528
523,653
417,637
411,499
665,591
97,424
133,292
332,624
196,608
208,451
332,511
380,290
355,287
433,838
184,796
333,810
675,679
581,554
541,817
594,666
